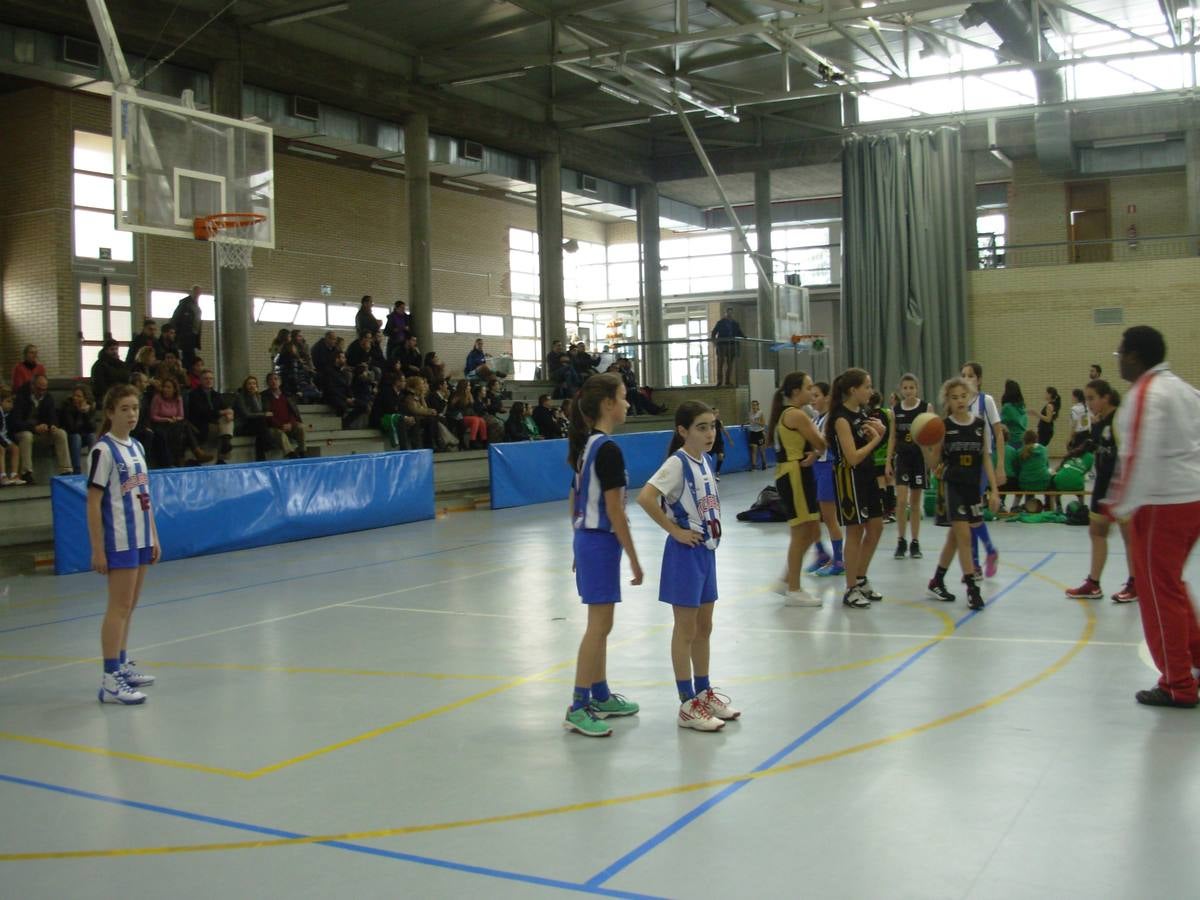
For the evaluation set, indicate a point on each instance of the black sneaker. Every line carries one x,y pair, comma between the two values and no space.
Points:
938,591
865,587
856,599
914,549
1156,696
974,597
901,549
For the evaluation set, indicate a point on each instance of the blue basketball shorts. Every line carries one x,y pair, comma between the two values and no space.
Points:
128,559
689,575
598,566
823,473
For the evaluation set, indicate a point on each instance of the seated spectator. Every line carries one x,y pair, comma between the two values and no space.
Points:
336,386
109,369
366,351
208,412
287,427
147,337
34,419
364,388
477,362
397,328
1032,469
29,367
294,378
548,419
515,428
387,414
144,361
324,352
439,396
433,369
634,393
410,357
193,374
488,406
142,431
170,368
172,432
461,408
583,362
568,380
167,343
567,409
9,451
413,404
250,417
76,418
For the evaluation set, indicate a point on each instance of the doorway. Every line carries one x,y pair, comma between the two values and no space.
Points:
1089,220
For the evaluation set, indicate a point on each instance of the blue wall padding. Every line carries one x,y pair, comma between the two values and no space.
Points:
219,508
537,471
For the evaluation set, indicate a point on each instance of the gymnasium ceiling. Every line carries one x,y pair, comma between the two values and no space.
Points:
600,79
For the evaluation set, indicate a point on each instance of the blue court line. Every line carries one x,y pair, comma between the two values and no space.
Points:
244,587
340,845
687,818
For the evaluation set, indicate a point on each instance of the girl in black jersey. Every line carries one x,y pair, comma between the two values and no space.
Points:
852,437
906,465
960,461
1102,402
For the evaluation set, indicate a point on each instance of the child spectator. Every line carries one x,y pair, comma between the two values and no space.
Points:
8,445
755,437
1032,469
1081,423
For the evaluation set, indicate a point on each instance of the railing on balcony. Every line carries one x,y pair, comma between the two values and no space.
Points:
994,254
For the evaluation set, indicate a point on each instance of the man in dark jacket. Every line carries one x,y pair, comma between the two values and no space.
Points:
147,337
410,356
186,320
725,334
398,327
365,321
108,370
35,418
167,343
323,353
335,383
206,409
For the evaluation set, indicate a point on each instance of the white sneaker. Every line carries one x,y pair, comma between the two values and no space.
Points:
133,677
780,586
10,481
800,597
695,714
113,689
718,705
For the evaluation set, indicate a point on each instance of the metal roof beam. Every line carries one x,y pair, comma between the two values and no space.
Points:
1076,11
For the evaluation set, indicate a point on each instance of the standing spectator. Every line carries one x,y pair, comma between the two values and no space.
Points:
207,410
147,337
323,353
167,343
186,320
35,419
9,477
1094,372
174,434
281,337
75,417
250,418
302,352
725,334
1048,415
284,419
1158,484
477,366
365,321
1015,420
1081,423
109,369
556,349
27,369
397,328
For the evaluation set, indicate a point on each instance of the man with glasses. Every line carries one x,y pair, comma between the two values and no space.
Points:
1158,485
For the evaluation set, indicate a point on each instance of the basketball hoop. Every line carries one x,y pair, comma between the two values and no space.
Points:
231,234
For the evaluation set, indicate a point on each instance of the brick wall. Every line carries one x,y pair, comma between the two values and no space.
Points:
1035,325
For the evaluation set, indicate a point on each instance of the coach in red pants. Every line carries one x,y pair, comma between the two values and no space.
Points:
1158,485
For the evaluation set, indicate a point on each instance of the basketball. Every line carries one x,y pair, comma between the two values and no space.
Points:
928,429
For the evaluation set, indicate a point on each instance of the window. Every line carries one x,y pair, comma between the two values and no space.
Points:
105,310
687,364
523,262
163,303
445,322
990,227
491,326
340,315
584,272
624,271
798,250
466,324
95,230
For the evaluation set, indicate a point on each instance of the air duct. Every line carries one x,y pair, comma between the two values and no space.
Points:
1022,38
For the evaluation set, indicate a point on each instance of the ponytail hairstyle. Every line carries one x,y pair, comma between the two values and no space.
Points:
685,414
1055,401
115,395
1029,441
977,368
842,385
1077,394
1012,394
793,382
1102,388
948,385
586,410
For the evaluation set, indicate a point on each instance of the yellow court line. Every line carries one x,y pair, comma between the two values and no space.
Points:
1054,668
121,754
285,670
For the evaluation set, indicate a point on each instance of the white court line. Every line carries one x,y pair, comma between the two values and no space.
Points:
451,612
206,634
929,637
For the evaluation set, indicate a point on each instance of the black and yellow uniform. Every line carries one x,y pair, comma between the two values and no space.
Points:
858,493
909,464
959,499
796,484
1103,444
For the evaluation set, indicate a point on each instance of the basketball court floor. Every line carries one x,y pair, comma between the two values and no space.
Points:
378,715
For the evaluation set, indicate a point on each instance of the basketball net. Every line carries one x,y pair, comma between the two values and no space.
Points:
232,237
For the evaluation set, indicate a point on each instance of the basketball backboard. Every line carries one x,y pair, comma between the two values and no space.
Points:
174,164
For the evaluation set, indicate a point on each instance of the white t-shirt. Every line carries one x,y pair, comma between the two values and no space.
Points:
1080,420
701,508
988,412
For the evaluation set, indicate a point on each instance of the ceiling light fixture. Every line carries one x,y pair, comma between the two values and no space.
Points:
620,95
302,14
599,126
495,76
391,170
319,154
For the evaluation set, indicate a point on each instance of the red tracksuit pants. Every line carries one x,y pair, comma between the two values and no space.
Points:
1161,539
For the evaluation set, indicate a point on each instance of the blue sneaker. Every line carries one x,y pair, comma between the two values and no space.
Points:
831,568
820,563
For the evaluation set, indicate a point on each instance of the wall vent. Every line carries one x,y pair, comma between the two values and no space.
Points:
1108,315
588,184
80,53
306,108
471,151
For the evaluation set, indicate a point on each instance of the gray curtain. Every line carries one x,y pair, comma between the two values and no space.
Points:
904,295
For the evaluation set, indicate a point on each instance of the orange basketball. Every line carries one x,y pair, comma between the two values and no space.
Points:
928,429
